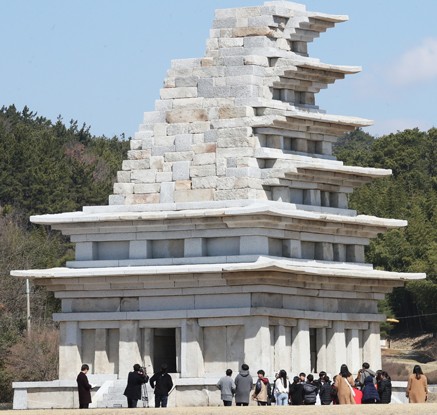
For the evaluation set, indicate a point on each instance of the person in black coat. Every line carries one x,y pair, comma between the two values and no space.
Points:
134,382
384,387
84,387
325,390
370,394
162,383
310,391
295,394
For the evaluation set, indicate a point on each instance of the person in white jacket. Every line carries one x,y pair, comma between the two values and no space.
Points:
281,388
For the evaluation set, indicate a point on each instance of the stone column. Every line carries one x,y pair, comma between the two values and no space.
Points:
354,358
300,347
322,360
192,365
282,348
128,347
372,346
69,350
101,361
250,245
147,351
336,347
257,345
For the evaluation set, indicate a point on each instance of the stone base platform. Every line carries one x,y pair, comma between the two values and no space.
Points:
422,409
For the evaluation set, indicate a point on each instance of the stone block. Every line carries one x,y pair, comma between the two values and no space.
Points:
164,176
206,158
139,199
182,115
201,171
143,176
252,31
189,103
195,195
198,127
183,142
181,92
123,176
138,154
167,192
135,164
181,170
179,156
186,81
123,188
135,144
146,188
152,117
183,185
161,150
208,182
156,162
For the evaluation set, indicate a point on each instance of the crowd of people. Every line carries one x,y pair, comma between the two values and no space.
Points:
368,387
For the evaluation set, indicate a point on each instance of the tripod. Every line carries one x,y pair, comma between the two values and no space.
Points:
144,395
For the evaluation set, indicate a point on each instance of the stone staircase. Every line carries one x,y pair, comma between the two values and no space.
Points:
110,395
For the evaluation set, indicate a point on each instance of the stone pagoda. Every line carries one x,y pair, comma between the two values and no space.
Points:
228,237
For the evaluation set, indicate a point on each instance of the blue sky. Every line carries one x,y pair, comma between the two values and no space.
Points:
102,62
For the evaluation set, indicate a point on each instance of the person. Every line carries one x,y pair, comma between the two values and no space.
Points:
325,389
384,387
334,394
227,387
310,391
262,386
84,387
417,388
295,392
343,384
370,394
302,377
162,384
135,379
281,388
363,373
243,386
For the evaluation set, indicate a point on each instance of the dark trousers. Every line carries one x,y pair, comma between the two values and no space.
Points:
83,405
262,403
242,403
227,403
161,401
132,403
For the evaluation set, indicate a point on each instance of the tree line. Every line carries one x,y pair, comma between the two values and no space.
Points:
52,167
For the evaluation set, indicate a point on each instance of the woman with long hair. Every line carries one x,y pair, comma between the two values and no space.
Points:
281,388
344,382
417,389
383,382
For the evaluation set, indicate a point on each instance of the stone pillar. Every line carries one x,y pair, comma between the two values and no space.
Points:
300,348
322,360
336,347
101,360
339,252
140,249
128,347
69,350
353,350
194,247
191,349
282,348
324,251
147,351
292,248
257,346
312,197
372,346
254,245
281,194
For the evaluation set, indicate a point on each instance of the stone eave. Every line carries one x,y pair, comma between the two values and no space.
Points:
271,264
285,211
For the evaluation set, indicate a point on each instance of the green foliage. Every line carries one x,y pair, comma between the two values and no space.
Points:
410,194
51,168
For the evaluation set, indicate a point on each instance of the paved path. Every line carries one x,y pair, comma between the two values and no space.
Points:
413,409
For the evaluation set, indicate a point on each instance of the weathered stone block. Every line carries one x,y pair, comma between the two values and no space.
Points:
181,170
193,195
186,115
181,92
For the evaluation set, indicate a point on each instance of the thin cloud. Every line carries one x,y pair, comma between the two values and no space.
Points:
416,65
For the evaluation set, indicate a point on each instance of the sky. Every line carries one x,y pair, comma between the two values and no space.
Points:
103,62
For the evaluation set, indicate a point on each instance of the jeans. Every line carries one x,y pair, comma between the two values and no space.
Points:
161,401
282,399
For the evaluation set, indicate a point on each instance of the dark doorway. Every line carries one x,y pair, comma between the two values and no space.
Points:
164,347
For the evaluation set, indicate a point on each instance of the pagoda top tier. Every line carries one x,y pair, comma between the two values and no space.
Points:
242,123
